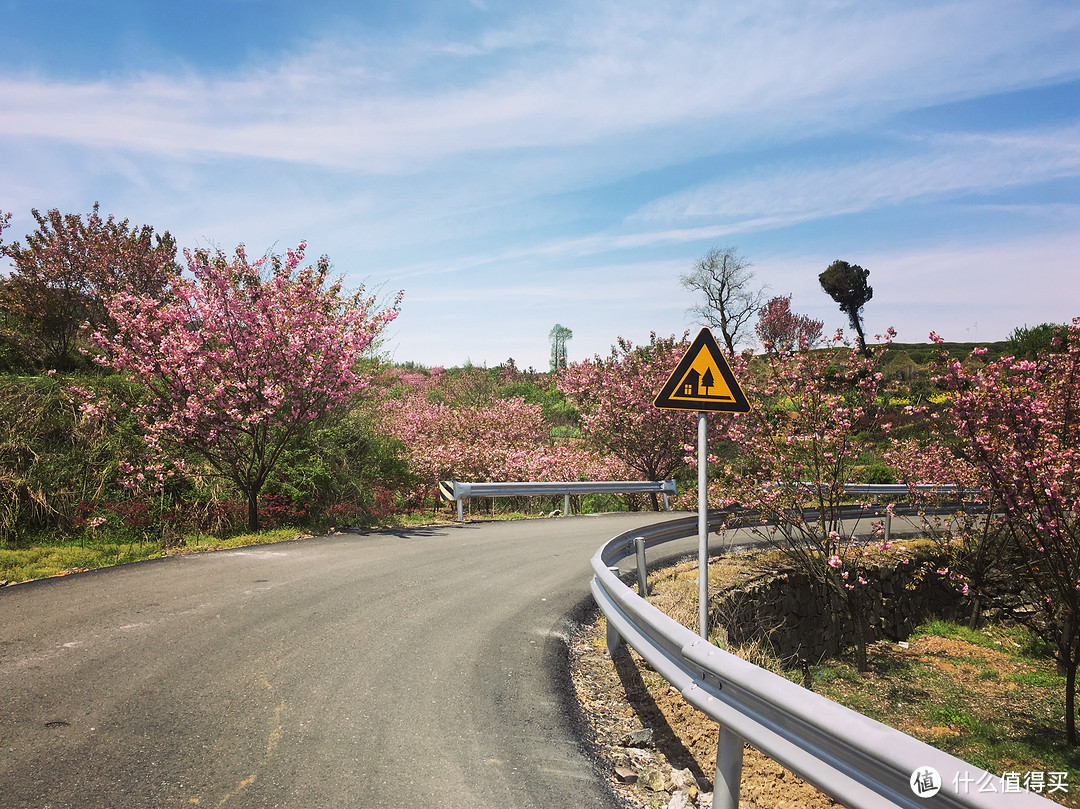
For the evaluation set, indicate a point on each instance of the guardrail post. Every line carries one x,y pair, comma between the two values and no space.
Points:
566,505
642,583
729,759
461,509
888,525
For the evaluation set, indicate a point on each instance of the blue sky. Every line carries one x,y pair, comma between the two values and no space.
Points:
511,166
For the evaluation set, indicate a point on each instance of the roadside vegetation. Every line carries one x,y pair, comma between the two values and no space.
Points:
992,696
150,406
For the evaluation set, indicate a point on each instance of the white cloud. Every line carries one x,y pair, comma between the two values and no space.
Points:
491,172
601,72
954,164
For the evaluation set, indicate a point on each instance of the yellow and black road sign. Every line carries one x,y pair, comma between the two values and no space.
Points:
702,381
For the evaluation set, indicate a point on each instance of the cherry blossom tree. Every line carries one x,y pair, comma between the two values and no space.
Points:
971,537
242,357
69,267
1019,423
812,419
615,395
464,442
780,329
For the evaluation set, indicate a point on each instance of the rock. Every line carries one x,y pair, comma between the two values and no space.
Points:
704,800
684,780
680,800
625,775
642,737
639,755
653,779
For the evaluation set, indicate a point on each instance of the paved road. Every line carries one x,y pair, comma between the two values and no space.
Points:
418,669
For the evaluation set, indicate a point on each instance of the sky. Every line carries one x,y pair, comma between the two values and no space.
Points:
511,166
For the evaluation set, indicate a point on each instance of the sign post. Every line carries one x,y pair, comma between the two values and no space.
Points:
703,522
703,381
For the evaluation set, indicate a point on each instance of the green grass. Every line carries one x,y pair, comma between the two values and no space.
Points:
947,629
1014,640
43,561
1039,679
837,671
998,710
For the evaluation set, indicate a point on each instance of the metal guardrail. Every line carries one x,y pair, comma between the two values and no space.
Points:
900,489
895,489
859,762
456,491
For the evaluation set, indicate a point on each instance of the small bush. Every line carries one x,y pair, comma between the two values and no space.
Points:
602,503
1028,343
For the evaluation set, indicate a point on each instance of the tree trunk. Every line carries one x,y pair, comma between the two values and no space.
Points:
976,612
253,510
856,613
856,322
1068,658
1070,701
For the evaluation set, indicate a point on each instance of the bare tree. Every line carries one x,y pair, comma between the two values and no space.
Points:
725,279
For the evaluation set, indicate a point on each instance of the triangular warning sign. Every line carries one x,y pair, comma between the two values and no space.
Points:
702,381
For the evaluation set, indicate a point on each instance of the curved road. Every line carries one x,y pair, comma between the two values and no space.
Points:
393,669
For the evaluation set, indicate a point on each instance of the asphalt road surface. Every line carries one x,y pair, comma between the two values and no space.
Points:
422,668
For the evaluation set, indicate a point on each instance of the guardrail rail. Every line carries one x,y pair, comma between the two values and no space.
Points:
856,760
456,491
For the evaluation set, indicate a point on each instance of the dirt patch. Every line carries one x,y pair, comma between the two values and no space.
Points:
645,732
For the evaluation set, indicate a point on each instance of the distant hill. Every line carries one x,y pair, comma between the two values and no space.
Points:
922,353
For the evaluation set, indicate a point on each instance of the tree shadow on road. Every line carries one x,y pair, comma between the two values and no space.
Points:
403,532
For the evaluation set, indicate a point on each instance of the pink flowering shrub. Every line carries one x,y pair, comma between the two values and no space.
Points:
813,416
1018,422
966,527
780,329
67,269
496,440
615,395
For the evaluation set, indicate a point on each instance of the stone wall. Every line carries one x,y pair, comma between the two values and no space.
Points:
794,616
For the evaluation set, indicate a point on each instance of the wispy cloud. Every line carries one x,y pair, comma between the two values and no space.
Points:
939,165
512,165
781,195
587,76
